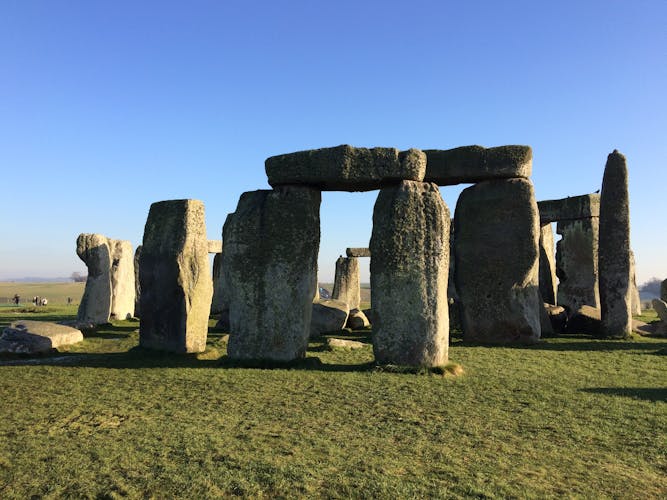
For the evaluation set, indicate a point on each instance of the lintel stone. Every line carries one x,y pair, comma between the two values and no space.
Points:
358,252
214,246
469,164
346,168
570,208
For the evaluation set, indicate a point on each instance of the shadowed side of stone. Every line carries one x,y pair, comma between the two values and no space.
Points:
548,282
175,278
497,260
345,168
269,260
95,306
577,263
329,315
409,270
614,249
468,164
346,282
137,284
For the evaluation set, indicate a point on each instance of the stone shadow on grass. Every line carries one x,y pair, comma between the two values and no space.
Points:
586,343
653,394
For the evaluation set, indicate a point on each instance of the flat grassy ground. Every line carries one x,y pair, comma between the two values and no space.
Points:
56,293
572,417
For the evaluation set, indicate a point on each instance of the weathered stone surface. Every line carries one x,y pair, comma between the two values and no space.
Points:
497,262
660,306
223,322
548,282
269,261
346,168
175,278
577,263
31,337
137,284
452,294
357,320
663,290
358,252
346,282
614,249
346,344
123,291
586,320
215,246
329,315
218,302
557,316
546,328
570,208
409,269
469,164
636,299
95,304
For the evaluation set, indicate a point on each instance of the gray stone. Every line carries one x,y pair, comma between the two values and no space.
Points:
357,320
137,284
570,208
218,303
215,246
329,315
548,282
497,262
557,317
346,282
586,320
175,278
614,249
269,261
358,252
32,337
469,164
123,290
663,290
577,263
636,299
95,306
409,268
660,307
546,328
346,168
346,344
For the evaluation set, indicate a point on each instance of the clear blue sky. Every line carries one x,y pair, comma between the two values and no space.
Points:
106,107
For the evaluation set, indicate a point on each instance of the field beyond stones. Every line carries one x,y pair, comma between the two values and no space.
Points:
572,417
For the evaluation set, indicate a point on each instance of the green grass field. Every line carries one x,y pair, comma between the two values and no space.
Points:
56,293
572,417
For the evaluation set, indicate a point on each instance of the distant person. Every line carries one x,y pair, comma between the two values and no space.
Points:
34,300
69,301
44,301
38,300
17,299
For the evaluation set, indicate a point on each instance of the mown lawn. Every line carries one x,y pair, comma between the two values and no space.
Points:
572,417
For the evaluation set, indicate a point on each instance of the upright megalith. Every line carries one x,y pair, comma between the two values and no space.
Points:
218,302
548,281
93,249
175,278
123,290
347,287
269,261
409,270
345,168
663,290
577,263
497,262
614,251
636,299
137,285
468,164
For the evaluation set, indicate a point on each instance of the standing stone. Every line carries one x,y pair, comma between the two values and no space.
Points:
269,260
548,283
137,285
217,305
95,305
577,263
175,278
358,252
636,299
614,252
346,282
123,291
497,262
409,269
663,291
